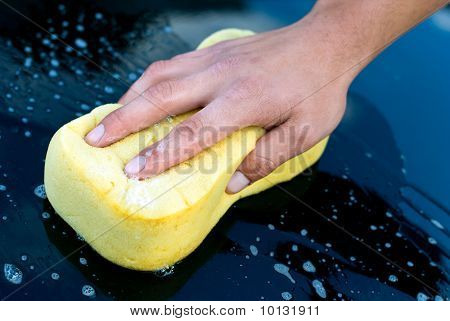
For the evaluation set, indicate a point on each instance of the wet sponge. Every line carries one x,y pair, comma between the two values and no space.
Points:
150,224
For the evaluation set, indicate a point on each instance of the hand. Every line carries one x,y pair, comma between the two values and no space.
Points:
293,82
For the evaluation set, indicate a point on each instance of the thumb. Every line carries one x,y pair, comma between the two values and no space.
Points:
273,149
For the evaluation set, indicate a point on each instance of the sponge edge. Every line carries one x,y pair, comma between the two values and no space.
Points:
150,224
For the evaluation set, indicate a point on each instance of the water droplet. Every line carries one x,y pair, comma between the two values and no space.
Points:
80,43
432,240
254,250
320,290
12,273
53,73
83,261
39,191
294,247
309,267
286,296
422,297
393,278
352,258
54,62
410,264
437,224
271,227
373,227
55,276
387,245
109,89
88,291
27,62
24,257
45,215
132,76
2,188
98,15
284,270
303,232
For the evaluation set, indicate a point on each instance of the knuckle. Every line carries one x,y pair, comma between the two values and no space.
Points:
191,126
157,68
247,88
162,91
188,132
224,65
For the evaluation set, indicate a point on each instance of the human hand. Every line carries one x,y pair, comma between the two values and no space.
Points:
292,81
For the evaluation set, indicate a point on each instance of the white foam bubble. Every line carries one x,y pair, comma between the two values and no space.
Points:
88,291
12,273
39,191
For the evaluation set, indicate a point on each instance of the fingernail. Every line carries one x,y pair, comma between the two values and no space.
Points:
237,183
95,135
135,165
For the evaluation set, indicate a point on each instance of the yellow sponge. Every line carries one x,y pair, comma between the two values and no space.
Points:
150,224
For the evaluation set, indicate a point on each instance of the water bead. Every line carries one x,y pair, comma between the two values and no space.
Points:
286,296
320,290
309,267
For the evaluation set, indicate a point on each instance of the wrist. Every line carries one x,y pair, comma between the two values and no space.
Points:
338,50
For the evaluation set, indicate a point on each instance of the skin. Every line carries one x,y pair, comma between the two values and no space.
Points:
292,81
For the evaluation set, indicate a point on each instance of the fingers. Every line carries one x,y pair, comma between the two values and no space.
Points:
156,103
160,71
273,149
202,130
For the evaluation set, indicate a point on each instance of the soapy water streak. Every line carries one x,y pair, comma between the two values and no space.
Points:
358,63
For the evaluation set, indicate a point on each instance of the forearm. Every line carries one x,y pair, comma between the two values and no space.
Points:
356,31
